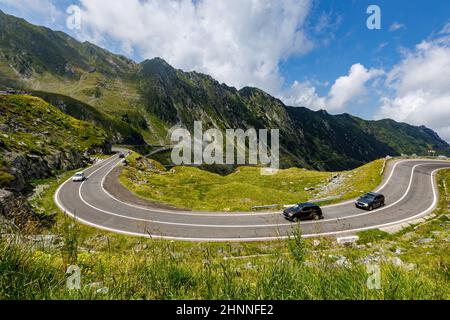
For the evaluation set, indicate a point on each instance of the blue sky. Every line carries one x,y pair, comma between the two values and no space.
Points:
354,43
315,53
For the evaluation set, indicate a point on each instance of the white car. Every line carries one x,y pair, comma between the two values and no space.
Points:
79,177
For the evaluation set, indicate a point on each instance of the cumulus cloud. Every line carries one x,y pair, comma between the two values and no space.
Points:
303,94
420,87
344,90
238,42
347,88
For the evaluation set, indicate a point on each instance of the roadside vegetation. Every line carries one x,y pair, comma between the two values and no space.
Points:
193,188
414,263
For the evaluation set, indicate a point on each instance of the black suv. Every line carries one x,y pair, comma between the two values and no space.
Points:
303,211
370,201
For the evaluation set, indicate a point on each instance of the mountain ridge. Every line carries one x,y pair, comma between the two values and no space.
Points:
139,102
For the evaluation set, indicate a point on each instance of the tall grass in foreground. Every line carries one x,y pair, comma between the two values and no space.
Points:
161,274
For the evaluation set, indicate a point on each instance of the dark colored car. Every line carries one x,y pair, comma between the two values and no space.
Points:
303,211
370,201
122,155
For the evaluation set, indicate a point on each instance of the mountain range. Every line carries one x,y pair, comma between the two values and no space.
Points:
136,103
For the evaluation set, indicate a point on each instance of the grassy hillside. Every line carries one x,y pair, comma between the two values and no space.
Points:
5,177
30,126
37,50
118,130
193,188
404,138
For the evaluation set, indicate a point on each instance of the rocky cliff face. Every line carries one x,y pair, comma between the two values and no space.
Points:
27,167
38,141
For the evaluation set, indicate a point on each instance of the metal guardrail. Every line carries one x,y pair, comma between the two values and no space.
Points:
325,199
272,206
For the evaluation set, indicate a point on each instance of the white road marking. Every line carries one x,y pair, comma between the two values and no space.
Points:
245,225
431,208
236,226
206,214
249,225
56,196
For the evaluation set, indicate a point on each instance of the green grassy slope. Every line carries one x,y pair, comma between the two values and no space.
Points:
34,126
119,130
35,50
193,188
404,138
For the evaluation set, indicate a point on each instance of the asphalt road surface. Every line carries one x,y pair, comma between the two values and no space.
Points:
409,187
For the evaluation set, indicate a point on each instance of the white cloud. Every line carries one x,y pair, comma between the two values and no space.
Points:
420,86
349,87
325,27
44,10
303,94
345,89
237,42
396,26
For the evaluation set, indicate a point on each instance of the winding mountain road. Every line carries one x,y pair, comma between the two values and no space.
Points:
409,187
